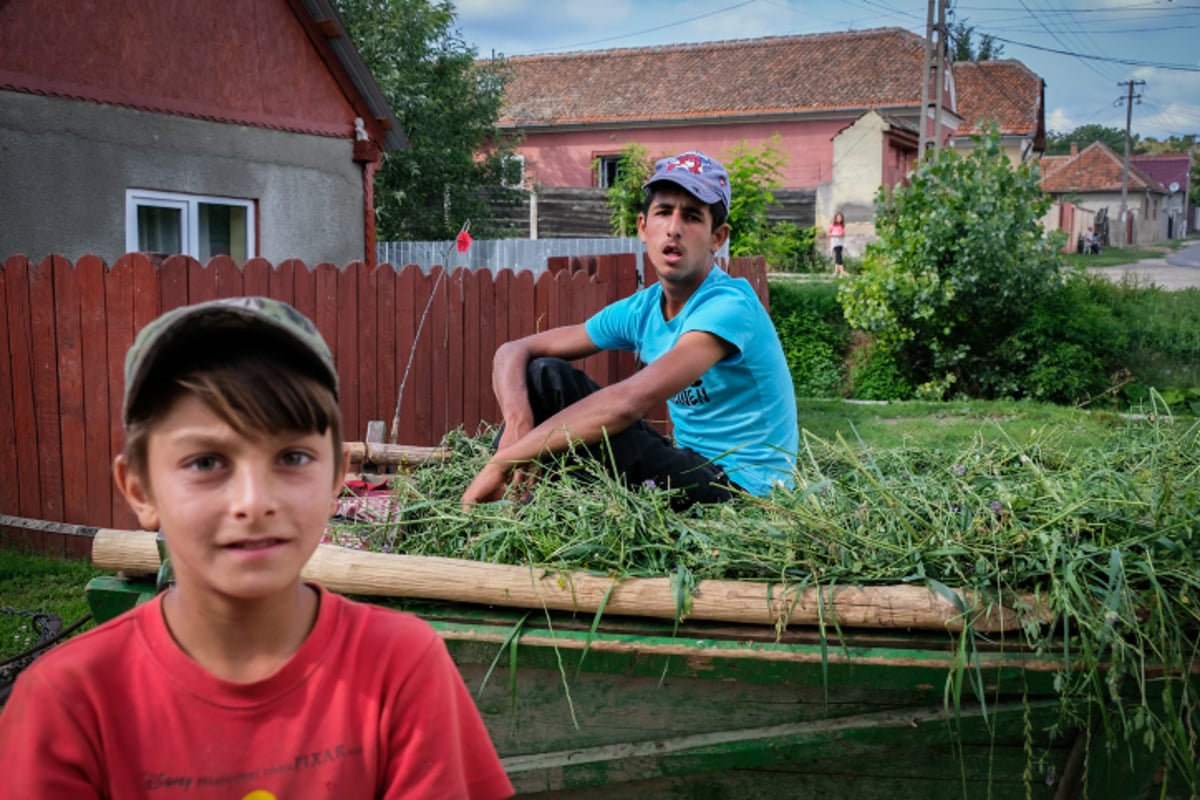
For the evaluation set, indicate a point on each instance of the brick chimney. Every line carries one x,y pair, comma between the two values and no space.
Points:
1074,148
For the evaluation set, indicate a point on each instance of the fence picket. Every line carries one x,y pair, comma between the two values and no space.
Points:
487,347
229,277
202,281
256,280
97,413
19,358
471,349
173,282
69,360
118,306
383,279
45,387
348,345
407,312
455,346
10,490
367,322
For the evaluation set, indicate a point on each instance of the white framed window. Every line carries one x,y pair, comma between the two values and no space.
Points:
197,225
608,168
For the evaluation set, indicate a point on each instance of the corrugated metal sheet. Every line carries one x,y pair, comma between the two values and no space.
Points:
499,254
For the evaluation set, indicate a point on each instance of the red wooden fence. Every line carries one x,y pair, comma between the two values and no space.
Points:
65,328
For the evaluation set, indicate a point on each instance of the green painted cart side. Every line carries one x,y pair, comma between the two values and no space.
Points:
639,709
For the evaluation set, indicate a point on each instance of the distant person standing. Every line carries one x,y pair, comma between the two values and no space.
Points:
837,239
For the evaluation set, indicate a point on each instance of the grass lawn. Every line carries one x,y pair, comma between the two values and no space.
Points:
42,584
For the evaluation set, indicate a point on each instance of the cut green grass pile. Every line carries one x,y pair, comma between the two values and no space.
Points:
1096,513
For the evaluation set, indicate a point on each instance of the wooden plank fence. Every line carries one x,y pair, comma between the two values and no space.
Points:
65,328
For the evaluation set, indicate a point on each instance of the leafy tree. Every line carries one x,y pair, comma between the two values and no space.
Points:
754,174
961,262
448,105
625,195
1059,144
962,48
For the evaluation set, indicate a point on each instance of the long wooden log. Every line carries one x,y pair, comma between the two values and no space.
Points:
380,574
400,455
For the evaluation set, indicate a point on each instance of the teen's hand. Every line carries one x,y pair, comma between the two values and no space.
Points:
488,485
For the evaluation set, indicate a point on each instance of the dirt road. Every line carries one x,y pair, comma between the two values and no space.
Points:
1180,270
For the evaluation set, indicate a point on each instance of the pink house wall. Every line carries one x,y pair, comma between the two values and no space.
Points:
564,158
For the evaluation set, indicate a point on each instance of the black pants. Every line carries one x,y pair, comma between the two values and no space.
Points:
639,454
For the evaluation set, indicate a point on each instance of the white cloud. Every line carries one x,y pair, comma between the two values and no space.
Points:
496,9
1059,121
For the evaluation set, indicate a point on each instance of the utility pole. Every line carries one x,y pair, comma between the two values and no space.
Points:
935,48
1129,98
939,52
923,122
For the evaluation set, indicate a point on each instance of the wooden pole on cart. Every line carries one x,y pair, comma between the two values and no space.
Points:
459,581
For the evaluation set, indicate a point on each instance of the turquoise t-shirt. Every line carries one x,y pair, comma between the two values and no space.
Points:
742,411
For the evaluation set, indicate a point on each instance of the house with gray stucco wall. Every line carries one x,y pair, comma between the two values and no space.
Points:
187,126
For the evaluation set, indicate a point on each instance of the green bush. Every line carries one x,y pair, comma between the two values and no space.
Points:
961,263
814,335
789,248
874,375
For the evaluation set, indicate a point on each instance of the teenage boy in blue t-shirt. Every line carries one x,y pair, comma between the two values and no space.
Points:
709,349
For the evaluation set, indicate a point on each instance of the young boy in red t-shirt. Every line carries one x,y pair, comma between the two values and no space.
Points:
242,681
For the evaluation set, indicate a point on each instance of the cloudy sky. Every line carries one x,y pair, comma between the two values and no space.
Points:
1083,49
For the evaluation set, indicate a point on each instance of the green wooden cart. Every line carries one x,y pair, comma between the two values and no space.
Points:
643,708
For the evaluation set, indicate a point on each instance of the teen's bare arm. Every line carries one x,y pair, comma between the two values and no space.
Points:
611,410
509,367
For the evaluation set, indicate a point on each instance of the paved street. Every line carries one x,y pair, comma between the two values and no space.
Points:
1180,270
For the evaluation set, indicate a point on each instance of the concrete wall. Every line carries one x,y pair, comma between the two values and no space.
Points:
65,166
858,158
1018,149
1147,225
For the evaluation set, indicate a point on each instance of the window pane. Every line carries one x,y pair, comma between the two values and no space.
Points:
609,170
160,229
222,231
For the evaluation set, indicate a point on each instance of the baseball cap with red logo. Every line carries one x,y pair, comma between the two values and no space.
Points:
701,176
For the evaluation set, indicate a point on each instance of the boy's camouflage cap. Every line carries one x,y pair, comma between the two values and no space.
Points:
271,317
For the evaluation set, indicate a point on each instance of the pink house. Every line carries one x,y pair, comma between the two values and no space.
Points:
845,107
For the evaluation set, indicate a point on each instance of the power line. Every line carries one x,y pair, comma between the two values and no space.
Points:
672,24
1086,59
1128,61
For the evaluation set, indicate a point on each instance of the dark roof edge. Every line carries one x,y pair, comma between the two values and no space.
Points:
360,75
714,118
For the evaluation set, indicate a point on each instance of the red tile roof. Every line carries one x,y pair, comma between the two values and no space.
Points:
1166,168
1096,169
1004,92
775,75
1049,164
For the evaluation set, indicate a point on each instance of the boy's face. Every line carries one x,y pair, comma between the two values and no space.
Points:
241,516
677,231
